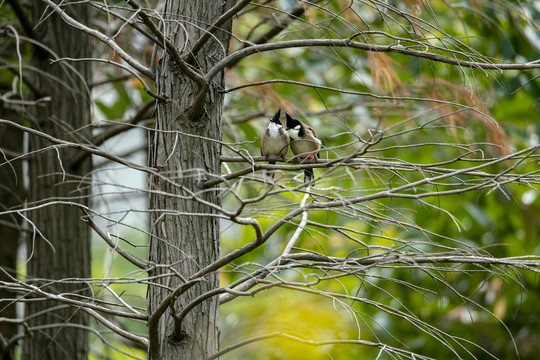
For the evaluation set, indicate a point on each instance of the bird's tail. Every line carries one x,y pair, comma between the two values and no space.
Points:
308,175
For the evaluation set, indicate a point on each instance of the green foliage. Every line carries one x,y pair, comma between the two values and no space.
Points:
463,301
121,99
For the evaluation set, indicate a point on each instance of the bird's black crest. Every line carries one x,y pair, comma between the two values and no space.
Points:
292,122
275,119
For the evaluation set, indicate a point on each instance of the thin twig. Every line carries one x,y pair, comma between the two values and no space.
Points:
126,255
101,37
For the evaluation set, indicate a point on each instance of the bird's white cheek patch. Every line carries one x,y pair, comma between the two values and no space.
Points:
293,133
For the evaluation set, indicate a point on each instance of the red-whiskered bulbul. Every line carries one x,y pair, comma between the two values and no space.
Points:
304,143
275,140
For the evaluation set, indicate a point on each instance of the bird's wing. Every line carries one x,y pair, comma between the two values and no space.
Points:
265,135
309,128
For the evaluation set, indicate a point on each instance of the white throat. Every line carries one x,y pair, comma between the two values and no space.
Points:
274,128
293,133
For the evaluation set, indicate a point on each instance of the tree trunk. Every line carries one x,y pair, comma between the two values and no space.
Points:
11,194
62,248
180,240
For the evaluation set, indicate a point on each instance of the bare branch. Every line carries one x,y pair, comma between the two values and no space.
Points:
126,68
348,43
115,247
222,19
118,128
126,334
101,37
170,48
78,146
384,347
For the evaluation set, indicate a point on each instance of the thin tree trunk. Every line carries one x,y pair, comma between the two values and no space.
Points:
63,251
179,240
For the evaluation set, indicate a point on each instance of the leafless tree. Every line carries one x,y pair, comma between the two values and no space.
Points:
58,243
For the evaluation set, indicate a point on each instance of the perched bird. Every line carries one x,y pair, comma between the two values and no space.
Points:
275,140
304,143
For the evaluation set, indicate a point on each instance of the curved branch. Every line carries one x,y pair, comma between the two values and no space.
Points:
389,193
362,162
522,262
222,19
103,38
254,278
384,347
118,330
359,93
126,255
81,147
143,83
118,128
348,43
35,291
101,153
258,241
170,48
137,26
280,25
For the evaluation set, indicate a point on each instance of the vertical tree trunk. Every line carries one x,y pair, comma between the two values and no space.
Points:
179,240
53,177
11,194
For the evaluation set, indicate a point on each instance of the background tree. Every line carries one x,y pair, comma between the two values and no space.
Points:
419,230
11,192
59,106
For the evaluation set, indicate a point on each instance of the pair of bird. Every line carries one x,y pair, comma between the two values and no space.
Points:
303,141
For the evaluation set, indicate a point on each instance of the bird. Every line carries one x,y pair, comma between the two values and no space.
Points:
304,143
275,140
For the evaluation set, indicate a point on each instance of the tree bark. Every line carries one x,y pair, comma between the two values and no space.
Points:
185,233
61,249
11,194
